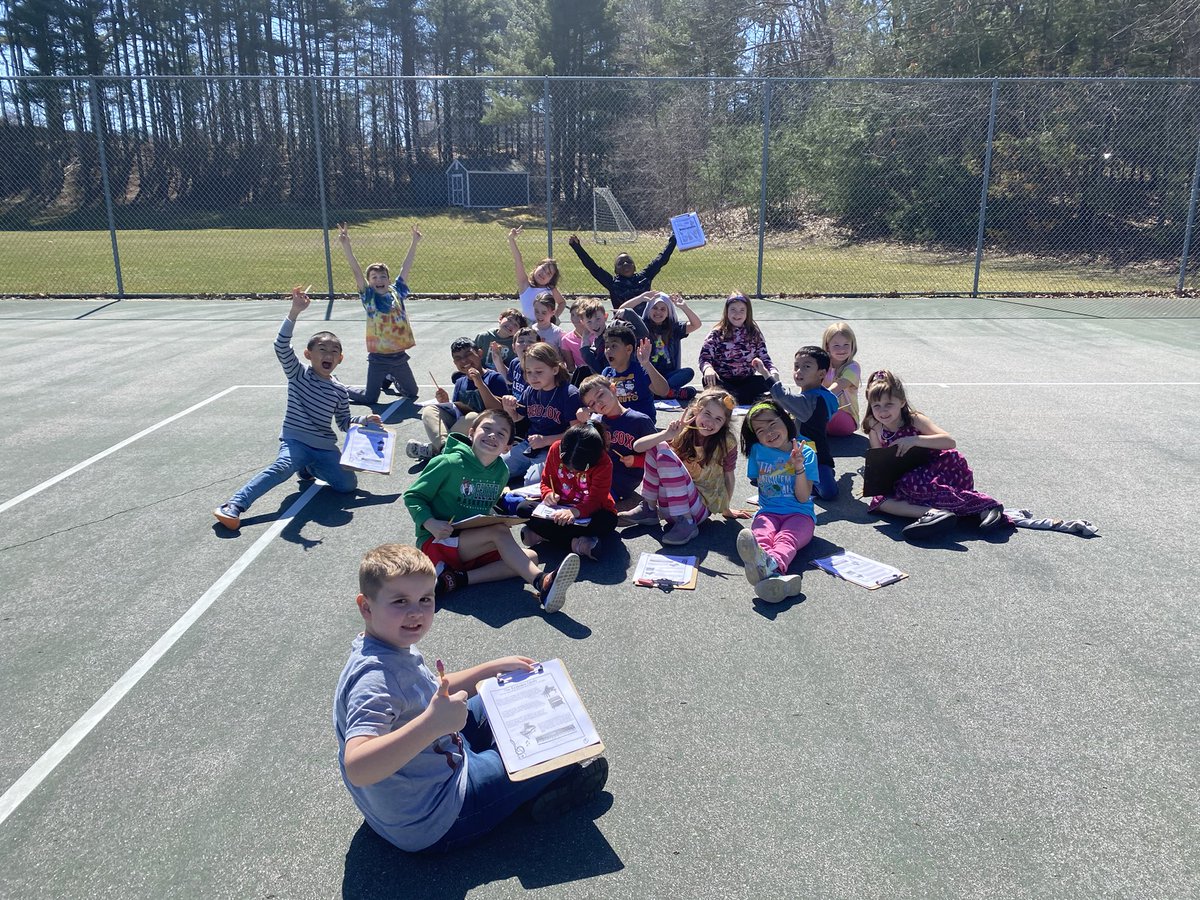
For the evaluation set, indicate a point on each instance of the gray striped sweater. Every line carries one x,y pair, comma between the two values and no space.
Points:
312,401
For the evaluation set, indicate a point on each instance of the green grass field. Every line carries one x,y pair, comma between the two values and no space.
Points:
466,252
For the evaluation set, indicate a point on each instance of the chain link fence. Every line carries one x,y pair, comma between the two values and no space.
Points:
195,185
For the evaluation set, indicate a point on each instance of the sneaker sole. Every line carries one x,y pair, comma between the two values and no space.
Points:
570,792
627,519
228,521
752,557
567,572
919,527
778,589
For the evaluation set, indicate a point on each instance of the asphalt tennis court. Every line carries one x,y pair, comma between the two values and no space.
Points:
1018,718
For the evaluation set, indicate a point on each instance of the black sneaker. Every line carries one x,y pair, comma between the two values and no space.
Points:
991,517
685,394
449,581
928,522
574,789
305,475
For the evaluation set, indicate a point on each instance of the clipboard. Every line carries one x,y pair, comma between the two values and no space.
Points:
884,468
369,448
482,521
538,720
667,572
860,570
689,233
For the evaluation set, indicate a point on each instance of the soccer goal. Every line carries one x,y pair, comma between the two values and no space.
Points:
609,222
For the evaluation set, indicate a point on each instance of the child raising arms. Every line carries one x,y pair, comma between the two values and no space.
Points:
389,334
415,750
667,332
785,471
728,352
842,378
689,469
307,444
936,492
543,277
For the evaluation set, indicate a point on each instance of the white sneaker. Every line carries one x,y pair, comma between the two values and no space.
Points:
777,588
759,566
419,450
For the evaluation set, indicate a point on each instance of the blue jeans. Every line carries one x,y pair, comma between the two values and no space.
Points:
519,464
293,456
826,487
491,797
679,378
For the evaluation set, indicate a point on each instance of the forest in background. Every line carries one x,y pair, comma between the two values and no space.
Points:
1079,167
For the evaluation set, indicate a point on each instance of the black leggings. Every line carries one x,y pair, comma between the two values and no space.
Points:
602,522
745,388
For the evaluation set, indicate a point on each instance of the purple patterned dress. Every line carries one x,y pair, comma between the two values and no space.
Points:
946,482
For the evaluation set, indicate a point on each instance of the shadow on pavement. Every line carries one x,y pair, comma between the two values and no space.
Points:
572,849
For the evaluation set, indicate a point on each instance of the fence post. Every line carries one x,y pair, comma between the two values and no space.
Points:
312,84
549,179
1191,223
102,161
762,188
983,191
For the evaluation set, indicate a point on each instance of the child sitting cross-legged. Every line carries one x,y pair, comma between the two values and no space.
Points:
634,378
667,332
549,402
455,412
415,749
466,479
576,481
729,349
307,444
624,427
785,470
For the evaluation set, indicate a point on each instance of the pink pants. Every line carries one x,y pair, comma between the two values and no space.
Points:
841,424
667,485
782,536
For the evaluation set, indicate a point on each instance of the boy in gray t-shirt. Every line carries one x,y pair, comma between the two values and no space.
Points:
414,748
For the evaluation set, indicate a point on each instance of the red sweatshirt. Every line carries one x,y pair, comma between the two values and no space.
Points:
586,491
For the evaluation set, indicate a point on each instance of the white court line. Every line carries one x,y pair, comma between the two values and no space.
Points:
50,482
49,761
37,773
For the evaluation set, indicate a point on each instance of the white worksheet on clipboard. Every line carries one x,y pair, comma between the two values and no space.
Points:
538,719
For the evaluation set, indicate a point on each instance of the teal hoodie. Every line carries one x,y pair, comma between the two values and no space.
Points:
454,485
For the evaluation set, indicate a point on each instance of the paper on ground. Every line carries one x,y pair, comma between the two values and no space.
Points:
660,567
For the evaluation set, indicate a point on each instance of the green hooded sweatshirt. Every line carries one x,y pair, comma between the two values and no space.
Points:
454,485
